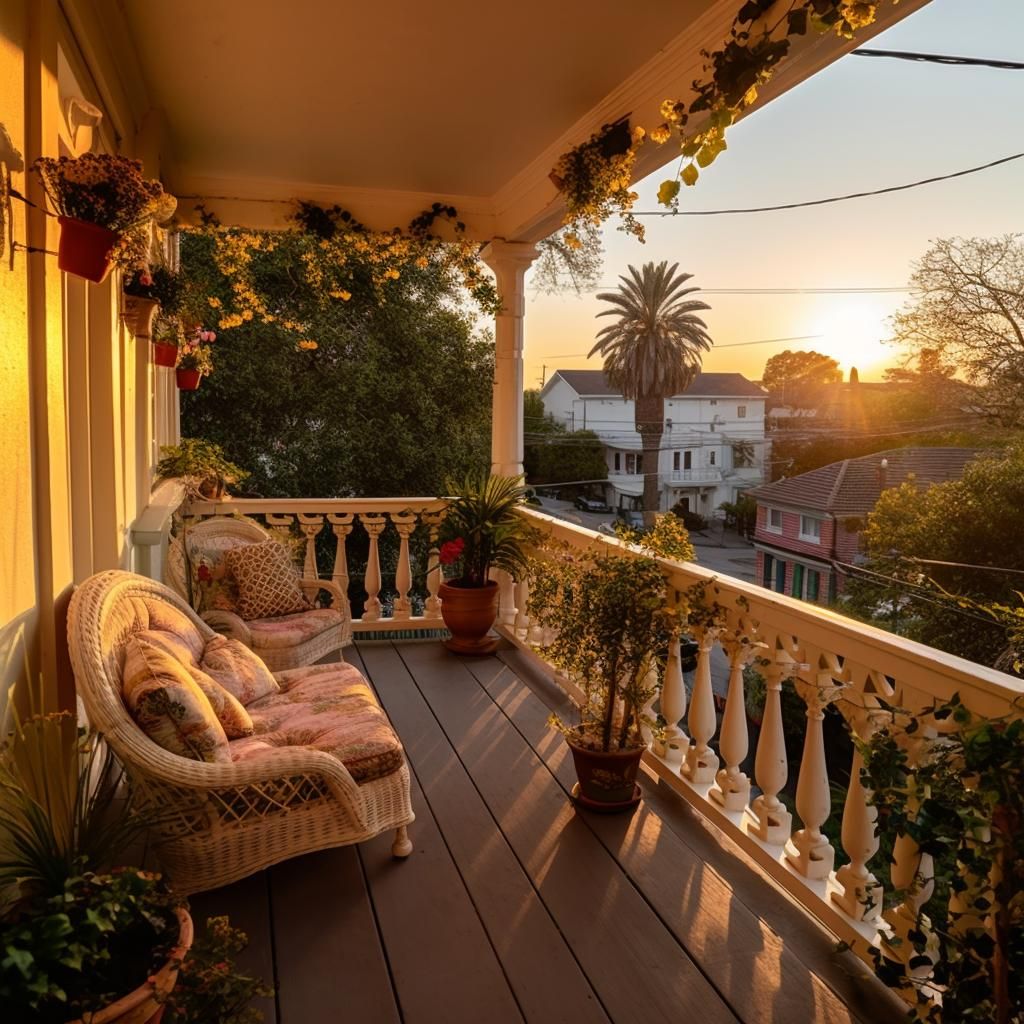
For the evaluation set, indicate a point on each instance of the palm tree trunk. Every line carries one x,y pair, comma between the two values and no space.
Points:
650,424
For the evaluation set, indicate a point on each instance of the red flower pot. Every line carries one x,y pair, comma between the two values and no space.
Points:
138,316
607,778
469,613
164,354
188,380
84,249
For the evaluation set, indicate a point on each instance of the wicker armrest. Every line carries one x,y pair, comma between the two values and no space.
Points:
313,587
229,624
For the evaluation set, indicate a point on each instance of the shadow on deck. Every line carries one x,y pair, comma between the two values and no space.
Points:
514,906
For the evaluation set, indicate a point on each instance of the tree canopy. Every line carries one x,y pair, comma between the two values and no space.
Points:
973,521
799,376
968,311
554,455
335,380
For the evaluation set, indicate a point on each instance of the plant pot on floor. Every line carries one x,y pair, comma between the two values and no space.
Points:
85,249
188,380
607,779
139,314
469,613
145,1004
164,354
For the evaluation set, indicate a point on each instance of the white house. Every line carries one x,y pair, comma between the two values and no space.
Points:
713,448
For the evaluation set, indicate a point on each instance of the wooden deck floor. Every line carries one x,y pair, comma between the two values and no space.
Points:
515,906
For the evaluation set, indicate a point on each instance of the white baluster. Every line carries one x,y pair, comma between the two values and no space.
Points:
732,787
522,624
374,525
341,525
809,851
675,744
507,610
405,523
770,821
310,525
646,713
432,610
914,872
701,761
860,893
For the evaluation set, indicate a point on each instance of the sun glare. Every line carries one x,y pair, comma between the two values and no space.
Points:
854,334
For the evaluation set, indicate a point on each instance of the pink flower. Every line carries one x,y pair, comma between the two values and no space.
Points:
451,551
145,279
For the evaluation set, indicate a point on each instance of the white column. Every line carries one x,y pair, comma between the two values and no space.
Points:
509,261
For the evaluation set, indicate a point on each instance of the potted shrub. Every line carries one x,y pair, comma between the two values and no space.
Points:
200,465
167,339
105,208
610,620
194,360
147,292
481,532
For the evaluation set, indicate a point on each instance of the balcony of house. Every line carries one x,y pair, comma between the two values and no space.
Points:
700,475
723,888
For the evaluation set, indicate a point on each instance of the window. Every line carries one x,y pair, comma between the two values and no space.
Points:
768,571
675,461
711,458
714,401
813,584
712,428
687,460
742,455
773,521
618,462
741,412
797,586
810,529
632,463
780,576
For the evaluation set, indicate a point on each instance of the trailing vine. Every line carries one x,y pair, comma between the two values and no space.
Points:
596,184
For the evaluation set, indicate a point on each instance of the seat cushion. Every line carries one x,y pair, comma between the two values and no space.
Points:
292,630
155,613
268,584
241,672
329,708
213,586
226,706
168,704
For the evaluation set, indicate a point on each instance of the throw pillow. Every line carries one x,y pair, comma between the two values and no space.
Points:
226,706
231,664
169,706
213,586
268,584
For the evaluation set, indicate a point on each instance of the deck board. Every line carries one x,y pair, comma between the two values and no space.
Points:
514,906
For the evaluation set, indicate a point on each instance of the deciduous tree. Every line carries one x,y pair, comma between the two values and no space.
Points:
797,378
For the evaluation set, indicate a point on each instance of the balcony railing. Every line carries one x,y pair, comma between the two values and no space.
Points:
693,476
827,659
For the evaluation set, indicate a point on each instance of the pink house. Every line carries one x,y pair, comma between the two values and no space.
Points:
808,526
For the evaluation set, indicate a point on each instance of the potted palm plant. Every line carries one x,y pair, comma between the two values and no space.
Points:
105,208
481,532
609,619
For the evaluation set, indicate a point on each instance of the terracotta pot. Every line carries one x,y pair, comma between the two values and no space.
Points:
164,354
469,612
607,780
138,316
188,380
213,487
84,249
145,1004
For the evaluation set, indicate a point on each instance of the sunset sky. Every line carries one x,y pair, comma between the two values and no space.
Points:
861,124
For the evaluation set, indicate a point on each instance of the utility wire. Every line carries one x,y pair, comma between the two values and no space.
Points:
941,58
831,199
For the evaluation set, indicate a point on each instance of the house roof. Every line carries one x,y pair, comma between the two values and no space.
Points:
853,486
707,385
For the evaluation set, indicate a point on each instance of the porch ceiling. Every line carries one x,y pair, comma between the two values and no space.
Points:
386,108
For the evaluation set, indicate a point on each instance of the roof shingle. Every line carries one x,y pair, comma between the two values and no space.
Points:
706,385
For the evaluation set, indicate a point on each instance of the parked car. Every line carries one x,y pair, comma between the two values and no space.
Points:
591,505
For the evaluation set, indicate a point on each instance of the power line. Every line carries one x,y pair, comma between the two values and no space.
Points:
855,290
831,199
732,344
941,58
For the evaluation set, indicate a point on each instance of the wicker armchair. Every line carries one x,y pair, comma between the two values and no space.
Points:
216,823
310,636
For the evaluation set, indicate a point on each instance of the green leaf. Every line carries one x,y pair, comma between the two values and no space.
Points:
668,191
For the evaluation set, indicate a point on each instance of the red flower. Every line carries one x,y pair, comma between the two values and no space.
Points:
203,572
451,551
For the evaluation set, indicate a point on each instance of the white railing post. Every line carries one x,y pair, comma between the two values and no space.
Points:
311,527
732,787
522,623
675,744
374,525
770,821
701,762
432,609
405,523
341,526
809,851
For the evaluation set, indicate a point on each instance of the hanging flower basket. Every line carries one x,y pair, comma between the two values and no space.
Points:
139,314
188,380
165,354
85,249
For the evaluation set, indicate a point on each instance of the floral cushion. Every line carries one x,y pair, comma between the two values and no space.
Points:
228,709
154,613
329,708
168,704
291,630
231,664
214,588
267,581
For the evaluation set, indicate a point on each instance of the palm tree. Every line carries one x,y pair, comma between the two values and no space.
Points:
652,350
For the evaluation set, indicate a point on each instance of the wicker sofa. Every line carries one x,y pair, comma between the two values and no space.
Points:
218,822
